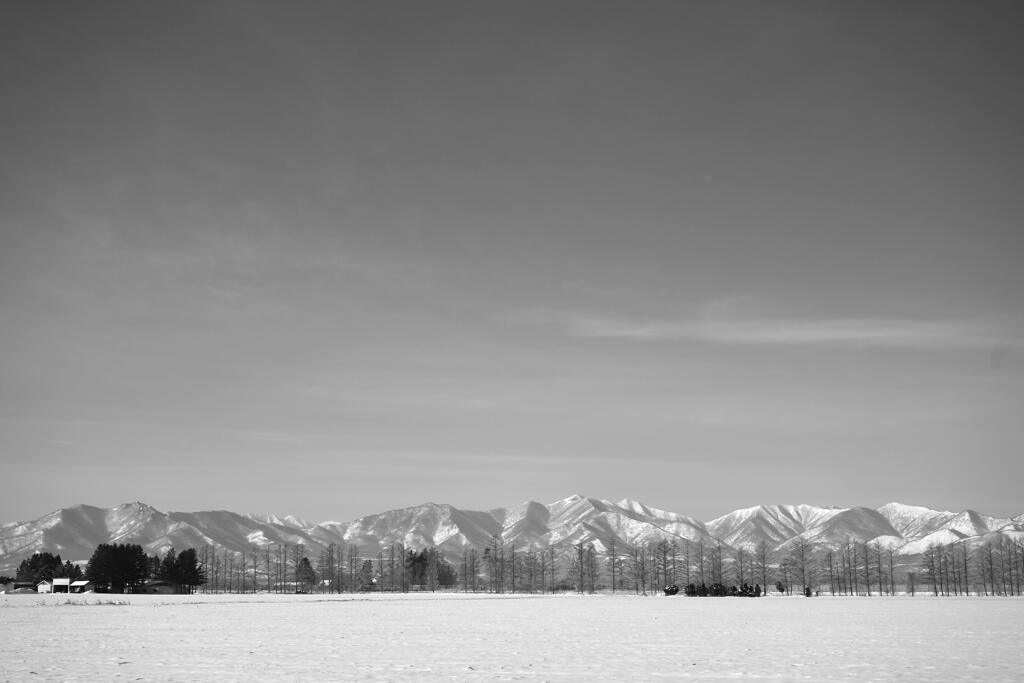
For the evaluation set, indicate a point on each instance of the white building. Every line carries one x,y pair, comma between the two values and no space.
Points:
62,585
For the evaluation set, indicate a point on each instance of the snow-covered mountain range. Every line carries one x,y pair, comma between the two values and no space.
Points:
76,531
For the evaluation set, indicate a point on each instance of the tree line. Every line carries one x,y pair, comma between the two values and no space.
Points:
715,569
646,568
995,568
44,567
125,567
115,568
339,568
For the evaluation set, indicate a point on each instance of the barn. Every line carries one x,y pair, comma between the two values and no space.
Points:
60,585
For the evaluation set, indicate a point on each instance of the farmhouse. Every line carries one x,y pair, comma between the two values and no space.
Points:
61,585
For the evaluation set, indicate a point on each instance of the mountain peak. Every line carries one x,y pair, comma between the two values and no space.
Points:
75,532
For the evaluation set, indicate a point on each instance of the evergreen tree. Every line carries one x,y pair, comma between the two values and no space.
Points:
154,566
305,576
117,567
69,571
168,570
366,576
187,571
428,568
416,566
40,567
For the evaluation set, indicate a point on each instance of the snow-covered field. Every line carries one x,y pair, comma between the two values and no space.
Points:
508,637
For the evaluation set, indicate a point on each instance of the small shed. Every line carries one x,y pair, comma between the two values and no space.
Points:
81,586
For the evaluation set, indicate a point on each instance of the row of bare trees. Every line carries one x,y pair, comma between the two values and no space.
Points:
282,568
852,568
992,568
995,568
339,568
589,567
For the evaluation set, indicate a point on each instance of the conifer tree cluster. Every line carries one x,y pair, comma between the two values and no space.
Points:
46,566
124,567
181,569
117,567
428,568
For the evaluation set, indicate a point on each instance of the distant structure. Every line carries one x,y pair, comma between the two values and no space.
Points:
62,585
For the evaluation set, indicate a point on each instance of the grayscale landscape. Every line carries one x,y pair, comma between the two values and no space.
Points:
576,340
905,532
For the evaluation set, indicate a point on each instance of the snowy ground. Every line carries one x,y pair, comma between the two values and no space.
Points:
467,637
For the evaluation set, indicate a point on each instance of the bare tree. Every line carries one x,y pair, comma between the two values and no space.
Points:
613,560
850,566
533,565
786,571
432,578
400,566
254,560
638,568
964,565
892,580
1018,563
761,554
512,568
353,566
242,567
867,568
931,566
495,560
992,567
800,561
229,564
715,555
876,547
700,562
472,567
542,568
579,566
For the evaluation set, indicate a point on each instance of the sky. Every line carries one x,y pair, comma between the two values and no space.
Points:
333,258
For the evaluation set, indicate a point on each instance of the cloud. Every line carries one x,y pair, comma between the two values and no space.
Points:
826,332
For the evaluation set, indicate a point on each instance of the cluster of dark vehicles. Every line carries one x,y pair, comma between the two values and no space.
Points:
717,590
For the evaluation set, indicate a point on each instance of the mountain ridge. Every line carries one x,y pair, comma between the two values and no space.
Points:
74,532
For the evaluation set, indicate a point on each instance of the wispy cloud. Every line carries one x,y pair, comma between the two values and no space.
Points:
832,332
